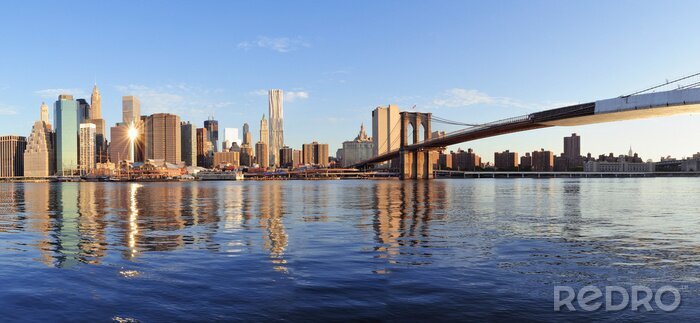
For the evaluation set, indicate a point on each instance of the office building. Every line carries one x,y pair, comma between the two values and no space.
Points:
66,122
163,138
386,129
87,148
96,119
359,149
12,155
264,131
83,110
227,159
212,127
247,136
315,154
44,113
188,138
39,156
119,149
542,161
247,155
506,161
262,154
205,151
131,110
275,100
286,157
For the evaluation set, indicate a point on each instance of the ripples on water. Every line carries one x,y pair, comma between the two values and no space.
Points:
391,250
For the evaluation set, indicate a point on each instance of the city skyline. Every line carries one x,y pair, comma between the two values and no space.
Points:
462,78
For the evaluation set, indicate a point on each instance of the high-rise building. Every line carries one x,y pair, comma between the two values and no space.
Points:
39,156
212,127
163,138
96,119
247,155
572,146
188,138
83,110
386,129
297,158
359,149
131,110
275,100
205,150
525,162
315,154
262,154
286,157
87,148
44,111
264,131
506,161
119,149
542,161
66,122
466,160
12,155
95,104
247,136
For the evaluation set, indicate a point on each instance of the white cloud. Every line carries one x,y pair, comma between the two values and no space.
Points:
279,44
292,96
53,94
7,110
458,98
180,99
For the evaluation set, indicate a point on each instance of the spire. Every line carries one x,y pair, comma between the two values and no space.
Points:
44,113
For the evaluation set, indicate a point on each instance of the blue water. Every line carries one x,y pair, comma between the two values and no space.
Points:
333,250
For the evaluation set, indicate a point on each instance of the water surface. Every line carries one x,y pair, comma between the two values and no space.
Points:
390,250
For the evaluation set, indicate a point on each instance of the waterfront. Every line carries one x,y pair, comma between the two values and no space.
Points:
392,250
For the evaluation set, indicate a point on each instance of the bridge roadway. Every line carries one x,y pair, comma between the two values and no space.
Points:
640,106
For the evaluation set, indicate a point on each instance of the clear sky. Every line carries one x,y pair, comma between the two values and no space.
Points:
337,60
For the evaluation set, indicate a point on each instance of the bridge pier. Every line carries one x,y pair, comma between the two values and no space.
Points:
415,163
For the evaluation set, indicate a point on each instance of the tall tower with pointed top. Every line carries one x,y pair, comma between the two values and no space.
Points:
44,113
264,132
95,104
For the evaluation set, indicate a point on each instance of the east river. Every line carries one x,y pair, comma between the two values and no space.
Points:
453,249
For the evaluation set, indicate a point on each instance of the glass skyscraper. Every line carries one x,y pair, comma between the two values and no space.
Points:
66,120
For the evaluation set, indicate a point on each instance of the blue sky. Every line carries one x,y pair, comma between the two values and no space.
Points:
337,60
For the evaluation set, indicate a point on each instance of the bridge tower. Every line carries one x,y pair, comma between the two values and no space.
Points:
415,163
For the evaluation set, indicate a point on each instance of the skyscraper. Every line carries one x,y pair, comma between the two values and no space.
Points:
83,110
188,138
119,148
12,155
39,156
262,154
247,136
386,129
231,135
264,133
95,104
66,121
131,110
44,111
275,98
357,150
212,127
204,149
100,131
163,137
87,148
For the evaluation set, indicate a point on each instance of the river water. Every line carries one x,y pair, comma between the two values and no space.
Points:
452,249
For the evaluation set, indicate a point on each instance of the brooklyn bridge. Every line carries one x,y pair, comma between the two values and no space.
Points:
417,146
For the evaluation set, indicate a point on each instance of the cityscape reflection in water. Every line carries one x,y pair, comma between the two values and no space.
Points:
384,249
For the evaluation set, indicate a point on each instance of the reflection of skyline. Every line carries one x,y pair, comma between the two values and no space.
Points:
404,210
270,207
